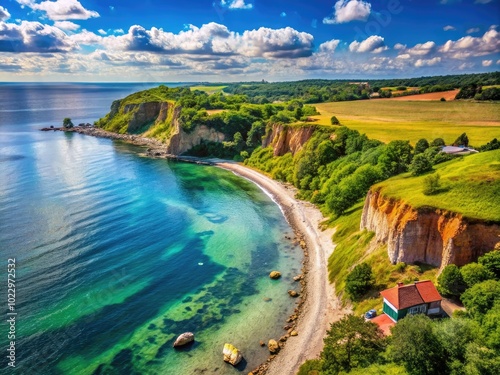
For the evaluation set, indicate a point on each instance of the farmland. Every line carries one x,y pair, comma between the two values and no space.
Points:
389,120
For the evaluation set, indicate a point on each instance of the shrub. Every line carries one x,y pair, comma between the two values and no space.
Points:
474,273
67,123
442,99
420,165
431,184
334,120
359,280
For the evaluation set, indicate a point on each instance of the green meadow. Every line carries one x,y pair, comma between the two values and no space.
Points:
470,185
208,89
389,120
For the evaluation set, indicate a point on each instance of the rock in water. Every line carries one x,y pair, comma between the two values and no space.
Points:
273,346
275,275
231,354
184,339
293,293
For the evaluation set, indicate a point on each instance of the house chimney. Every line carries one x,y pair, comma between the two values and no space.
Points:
400,285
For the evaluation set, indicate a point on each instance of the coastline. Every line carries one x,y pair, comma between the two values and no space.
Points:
319,306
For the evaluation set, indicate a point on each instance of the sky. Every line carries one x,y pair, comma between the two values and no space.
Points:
243,40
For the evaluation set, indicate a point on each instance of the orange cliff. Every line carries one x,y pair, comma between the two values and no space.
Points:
427,235
286,138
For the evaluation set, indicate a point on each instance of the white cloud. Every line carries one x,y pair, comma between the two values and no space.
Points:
102,32
329,46
61,10
235,4
473,46
449,27
4,14
66,25
119,31
404,56
487,62
399,46
472,30
374,44
422,49
427,62
33,37
349,10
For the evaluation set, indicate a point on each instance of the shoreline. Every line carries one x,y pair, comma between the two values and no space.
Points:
319,305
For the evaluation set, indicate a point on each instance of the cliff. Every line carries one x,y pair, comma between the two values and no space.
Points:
427,235
158,120
286,138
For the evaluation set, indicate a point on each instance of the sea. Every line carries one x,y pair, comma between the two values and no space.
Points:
111,255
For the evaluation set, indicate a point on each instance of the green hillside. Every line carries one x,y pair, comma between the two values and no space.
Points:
469,185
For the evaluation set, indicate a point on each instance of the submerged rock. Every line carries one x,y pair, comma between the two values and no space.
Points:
231,354
184,339
273,346
275,275
298,277
293,293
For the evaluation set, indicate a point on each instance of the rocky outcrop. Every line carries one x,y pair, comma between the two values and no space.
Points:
231,354
286,138
427,235
180,141
184,339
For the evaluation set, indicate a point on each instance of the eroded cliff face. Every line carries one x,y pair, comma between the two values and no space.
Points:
180,141
428,235
283,138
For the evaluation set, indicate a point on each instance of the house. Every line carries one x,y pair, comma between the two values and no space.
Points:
461,150
421,297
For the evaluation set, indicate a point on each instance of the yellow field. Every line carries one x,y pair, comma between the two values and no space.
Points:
392,120
208,89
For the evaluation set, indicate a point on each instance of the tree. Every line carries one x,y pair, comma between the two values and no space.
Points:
359,280
67,123
451,282
396,157
421,145
420,165
455,335
481,361
415,345
481,298
351,342
491,261
431,184
462,140
438,142
334,120
474,273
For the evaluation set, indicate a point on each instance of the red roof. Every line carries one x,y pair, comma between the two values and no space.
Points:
384,323
404,296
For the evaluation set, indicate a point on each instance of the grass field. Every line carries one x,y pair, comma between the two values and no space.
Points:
208,89
389,120
470,185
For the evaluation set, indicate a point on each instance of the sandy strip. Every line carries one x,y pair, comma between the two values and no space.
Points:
321,307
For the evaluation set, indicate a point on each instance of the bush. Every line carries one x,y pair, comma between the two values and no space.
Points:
359,280
334,120
421,145
474,273
451,282
420,165
491,261
462,140
431,184
442,99
67,123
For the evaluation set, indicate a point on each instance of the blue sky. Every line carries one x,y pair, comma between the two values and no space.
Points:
239,40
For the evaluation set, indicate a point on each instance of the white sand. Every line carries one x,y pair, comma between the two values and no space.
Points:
321,307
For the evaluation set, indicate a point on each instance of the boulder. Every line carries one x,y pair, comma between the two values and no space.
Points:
184,339
298,277
293,293
273,346
293,333
231,354
275,275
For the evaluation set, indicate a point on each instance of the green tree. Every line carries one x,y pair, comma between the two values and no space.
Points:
334,120
481,360
351,342
420,165
396,157
491,261
451,282
431,184
462,140
438,142
359,280
415,345
474,273
421,145
491,326
481,298
67,123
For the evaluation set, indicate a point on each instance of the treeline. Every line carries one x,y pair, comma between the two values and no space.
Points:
320,90
466,344
336,168
476,92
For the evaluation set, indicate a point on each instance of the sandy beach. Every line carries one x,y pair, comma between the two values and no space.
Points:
322,306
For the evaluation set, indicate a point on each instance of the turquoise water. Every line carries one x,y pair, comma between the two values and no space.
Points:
118,254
